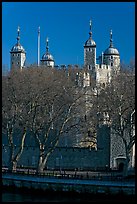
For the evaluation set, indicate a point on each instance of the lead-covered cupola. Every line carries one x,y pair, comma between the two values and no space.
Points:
47,58
111,54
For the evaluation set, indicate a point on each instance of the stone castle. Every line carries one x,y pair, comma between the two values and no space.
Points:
73,156
108,62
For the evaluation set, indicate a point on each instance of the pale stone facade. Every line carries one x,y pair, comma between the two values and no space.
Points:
18,59
18,54
103,74
109,61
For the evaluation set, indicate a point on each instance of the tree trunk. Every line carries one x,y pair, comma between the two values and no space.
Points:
125,170
14,159
13,166
44,158
41,165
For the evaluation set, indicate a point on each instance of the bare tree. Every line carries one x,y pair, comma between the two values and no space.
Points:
14,121
42,101
118,100
54,109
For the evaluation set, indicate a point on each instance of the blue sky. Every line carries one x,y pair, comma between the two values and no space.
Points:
67,26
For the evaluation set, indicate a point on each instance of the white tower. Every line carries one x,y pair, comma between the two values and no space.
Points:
90,52
47,58
18,54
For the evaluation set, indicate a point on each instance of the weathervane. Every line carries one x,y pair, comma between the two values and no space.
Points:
90,32
47,40
18,29
111,40
18,38
90,24
110,34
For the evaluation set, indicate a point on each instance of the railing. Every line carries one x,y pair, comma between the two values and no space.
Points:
88,175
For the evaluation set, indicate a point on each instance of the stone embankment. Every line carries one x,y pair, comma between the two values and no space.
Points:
69,184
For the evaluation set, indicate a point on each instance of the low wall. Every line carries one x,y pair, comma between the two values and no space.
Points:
62,157
70,185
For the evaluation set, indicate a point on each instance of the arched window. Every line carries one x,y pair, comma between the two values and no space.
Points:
103,85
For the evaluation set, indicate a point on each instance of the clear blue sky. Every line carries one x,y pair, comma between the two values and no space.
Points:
67,26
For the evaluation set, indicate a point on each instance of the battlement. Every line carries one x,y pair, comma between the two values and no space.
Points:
103,66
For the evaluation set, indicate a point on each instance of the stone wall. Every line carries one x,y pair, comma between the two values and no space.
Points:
69,185
65,157
62,157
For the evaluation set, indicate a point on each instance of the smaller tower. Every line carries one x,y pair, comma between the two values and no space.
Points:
103,143
90,52
111,56
18,54
47,58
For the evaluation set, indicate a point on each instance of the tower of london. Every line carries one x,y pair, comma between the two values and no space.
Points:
108,62
101,69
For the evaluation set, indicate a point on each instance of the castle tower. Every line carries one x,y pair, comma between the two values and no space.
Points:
103,143
111,56
18,54
90,52
47,58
